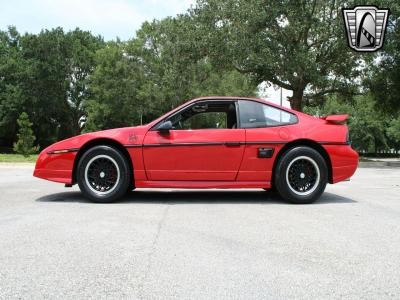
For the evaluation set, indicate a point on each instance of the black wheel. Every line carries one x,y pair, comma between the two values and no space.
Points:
301,175
103,174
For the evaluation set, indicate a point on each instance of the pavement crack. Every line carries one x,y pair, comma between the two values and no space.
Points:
153,248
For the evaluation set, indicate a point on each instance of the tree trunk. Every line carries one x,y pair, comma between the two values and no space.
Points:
296,101
76,129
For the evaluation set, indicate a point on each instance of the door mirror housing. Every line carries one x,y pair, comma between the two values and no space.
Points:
165,127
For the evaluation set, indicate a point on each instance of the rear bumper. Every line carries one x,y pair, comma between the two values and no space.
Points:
344,161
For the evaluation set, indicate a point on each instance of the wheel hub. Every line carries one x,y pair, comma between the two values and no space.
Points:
102,174
303,175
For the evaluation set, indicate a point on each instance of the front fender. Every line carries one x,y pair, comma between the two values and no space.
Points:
56,162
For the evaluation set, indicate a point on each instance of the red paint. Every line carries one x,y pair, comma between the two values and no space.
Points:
172,184
202,159
344,161
199,162
336,118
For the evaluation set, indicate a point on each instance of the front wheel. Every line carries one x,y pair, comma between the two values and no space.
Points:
301,175
103,174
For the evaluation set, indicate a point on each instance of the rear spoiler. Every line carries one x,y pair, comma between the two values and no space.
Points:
336,118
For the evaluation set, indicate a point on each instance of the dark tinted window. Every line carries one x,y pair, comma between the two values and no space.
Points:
255,114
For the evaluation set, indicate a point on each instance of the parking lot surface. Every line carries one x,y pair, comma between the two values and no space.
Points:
165,244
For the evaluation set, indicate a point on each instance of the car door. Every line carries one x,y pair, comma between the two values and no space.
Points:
268,129
204,144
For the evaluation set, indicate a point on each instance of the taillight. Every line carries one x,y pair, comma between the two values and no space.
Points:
348,141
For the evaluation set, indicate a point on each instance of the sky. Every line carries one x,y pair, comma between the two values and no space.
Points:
108,18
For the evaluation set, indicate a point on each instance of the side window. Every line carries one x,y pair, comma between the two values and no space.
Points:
206,120
207,115
255,114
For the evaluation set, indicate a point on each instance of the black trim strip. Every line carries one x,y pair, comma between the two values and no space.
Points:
266,143
334,143
223,143
133,146
198,144
184,144
63,151
208,144
232,144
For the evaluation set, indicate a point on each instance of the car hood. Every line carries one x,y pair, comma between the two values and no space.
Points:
124,136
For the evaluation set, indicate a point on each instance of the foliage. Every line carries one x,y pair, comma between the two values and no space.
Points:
217,48
297,45
366,124
82,62
394,130
114,87
11,67
45,75
26,138
176,70
153,73
384,79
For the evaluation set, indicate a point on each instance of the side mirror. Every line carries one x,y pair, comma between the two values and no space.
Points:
165,127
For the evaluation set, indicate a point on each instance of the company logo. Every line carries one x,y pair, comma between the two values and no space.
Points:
365,27
132,137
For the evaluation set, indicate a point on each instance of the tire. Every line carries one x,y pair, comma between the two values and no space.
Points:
301,175
103,174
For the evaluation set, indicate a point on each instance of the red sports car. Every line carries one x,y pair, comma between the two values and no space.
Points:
212,142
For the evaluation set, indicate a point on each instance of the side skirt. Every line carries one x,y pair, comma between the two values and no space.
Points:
203,184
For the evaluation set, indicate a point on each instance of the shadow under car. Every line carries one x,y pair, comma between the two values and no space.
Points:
196,197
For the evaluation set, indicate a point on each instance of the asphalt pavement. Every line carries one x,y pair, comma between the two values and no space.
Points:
215,244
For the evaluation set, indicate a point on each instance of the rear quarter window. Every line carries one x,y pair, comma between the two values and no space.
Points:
255,114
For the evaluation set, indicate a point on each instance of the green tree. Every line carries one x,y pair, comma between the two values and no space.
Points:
394,131
297,45
135,81
26,138
114,88
44,84
384,78
82,47
54,83
11,94
367,124
175,67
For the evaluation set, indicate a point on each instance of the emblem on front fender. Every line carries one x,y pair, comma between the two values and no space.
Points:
132,137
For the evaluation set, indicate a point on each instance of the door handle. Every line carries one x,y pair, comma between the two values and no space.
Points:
232,144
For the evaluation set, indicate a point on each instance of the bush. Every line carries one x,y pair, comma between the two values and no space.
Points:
26,138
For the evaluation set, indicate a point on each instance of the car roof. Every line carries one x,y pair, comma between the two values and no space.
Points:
154,122
241,98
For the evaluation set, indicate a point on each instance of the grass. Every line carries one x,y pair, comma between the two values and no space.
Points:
362,158
17,158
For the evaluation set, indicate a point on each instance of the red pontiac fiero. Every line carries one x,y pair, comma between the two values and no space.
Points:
212,142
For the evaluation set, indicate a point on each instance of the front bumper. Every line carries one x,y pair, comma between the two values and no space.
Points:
55,167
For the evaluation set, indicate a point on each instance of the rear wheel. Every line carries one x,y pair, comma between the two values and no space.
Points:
103,174
301,175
